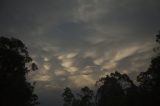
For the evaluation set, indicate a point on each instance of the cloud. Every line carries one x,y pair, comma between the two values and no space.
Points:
59,73
82,80
42,78
75,42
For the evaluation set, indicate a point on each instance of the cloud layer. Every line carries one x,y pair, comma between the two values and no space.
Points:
75,42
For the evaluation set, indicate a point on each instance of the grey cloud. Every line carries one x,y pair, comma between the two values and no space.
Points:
96,30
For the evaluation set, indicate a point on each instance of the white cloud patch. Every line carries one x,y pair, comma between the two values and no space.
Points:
59,73
67,63
46,66
82,80
123,53
42,78
46,59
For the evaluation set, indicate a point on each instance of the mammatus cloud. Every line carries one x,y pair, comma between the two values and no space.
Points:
80,65
75,42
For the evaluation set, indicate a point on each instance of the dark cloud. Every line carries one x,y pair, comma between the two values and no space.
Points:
75,41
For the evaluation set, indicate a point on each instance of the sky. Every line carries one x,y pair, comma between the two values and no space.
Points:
76,42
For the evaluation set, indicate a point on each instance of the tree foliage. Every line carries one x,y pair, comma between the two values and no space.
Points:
150,79
86,97
68,97
15,63
114,90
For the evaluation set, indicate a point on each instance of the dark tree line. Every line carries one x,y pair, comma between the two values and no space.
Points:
118,89
84,98
15,63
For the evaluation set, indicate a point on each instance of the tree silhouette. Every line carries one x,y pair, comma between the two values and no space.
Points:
86,97
150,80
15,63
68,97
115,90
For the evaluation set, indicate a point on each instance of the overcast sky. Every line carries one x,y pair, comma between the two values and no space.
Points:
75,42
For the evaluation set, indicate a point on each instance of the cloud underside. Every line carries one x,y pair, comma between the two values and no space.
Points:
84,68
75,42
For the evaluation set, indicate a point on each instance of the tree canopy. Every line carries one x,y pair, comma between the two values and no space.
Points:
150,79
15,63
68,97
114,90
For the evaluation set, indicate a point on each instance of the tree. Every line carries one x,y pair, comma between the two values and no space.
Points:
150,80
86,97
68,97
115,90
15,63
